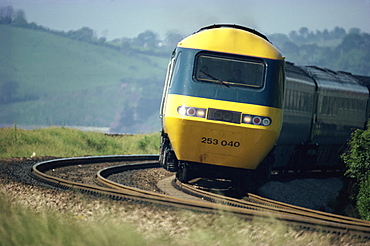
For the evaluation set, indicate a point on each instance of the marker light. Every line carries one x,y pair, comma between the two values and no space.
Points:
201,113
181,110
256,120
247,119
192,111
266,121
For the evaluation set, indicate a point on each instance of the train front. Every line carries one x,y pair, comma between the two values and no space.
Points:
222,101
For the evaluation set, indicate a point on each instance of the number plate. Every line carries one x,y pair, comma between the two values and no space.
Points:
221,142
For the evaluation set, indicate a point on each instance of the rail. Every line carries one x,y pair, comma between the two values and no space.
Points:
255,208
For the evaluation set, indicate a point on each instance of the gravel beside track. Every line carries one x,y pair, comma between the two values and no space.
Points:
318,194
142,179
20,187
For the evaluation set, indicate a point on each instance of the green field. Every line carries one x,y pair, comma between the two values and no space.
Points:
53,80
64,142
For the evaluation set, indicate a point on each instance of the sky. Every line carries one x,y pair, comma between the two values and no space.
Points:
128,18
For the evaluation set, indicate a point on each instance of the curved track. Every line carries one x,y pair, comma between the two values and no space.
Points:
254,207
255,202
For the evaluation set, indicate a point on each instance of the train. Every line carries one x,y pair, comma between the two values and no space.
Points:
232,108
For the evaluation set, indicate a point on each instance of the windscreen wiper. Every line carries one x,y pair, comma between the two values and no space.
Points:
212,77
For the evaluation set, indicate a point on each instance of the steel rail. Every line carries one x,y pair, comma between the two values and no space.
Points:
265,205
259,203
120,192
259,199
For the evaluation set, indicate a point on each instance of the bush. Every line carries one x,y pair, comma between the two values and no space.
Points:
357,160
149,142
363,199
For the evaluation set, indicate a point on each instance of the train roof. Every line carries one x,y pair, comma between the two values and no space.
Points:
324,74
289,66
364,80
232,39
329,79
235,26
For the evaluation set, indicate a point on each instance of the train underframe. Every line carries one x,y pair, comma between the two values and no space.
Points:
282,159
242,179
308,157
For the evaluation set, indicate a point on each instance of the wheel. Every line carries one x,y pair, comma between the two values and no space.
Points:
183,174
241,183
262,174
167,157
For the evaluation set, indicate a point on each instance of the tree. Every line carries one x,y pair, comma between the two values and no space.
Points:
350,42
7,15
325,35
354,30
147,39
20,19
172,38
83,34
293,35
304,31
279,39
337,33
290,47
102,40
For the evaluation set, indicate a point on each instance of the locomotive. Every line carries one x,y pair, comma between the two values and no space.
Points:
232,108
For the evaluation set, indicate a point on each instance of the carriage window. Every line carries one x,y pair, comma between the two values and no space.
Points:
229,71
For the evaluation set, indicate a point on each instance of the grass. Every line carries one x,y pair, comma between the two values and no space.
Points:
65,142
41,221
20,225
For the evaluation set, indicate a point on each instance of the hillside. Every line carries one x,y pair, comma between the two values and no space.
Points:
73,79
46,79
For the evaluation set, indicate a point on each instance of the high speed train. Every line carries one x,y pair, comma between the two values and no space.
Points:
232,108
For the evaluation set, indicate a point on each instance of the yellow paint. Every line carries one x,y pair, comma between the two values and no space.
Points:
231,40
216,142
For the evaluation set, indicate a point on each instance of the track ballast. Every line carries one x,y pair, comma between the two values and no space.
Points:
254,208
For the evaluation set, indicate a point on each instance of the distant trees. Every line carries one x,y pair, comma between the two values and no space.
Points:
338,33
353,54
147,39
20,19
172,38
149,42
304,35
83,34
8,16
335,49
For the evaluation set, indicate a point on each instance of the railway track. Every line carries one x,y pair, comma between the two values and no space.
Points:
252,207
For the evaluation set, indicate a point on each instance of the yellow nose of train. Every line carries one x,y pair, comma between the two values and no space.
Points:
222,101
221,133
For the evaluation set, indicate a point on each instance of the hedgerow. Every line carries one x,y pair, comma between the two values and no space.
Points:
357,160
